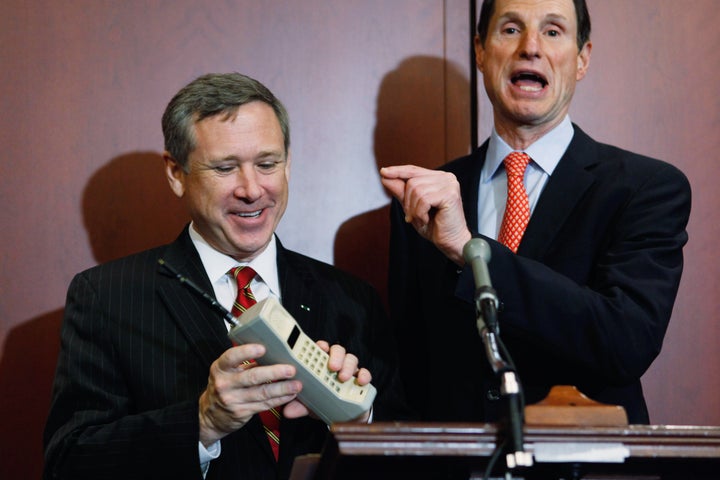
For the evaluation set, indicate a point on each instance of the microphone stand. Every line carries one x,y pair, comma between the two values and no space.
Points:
486,308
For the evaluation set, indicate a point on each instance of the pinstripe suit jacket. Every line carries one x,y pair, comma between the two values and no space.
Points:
136,349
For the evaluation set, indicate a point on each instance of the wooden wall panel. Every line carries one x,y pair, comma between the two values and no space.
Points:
83,85
652,89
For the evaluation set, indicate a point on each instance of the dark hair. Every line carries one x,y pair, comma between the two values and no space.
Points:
209,95
581,12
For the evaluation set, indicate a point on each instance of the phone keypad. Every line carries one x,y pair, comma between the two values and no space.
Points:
316,360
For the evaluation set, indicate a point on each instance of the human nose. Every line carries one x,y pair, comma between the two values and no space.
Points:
247,187
529,46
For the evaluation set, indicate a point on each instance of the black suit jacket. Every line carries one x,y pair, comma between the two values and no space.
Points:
136,350
585,302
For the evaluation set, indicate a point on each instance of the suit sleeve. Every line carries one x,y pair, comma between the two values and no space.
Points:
91,430
609,321
410,258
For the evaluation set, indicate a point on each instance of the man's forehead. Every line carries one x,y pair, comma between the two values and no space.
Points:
560,8
220,135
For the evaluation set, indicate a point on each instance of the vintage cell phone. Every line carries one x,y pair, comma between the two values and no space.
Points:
268,323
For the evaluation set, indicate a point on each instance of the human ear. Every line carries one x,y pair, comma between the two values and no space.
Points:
479,53
174,174
583,61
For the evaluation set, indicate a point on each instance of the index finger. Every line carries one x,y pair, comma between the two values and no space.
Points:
403,172
234,357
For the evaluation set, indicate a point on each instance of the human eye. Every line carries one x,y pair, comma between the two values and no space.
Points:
553,32
269,163
555,27
223,168
268,166
509,25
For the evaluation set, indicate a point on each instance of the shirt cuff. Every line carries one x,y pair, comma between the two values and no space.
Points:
207,455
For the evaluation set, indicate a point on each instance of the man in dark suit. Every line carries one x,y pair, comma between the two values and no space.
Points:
587,297
148,384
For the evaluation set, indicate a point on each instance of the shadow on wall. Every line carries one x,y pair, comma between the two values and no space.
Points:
27,369
127,207
422,119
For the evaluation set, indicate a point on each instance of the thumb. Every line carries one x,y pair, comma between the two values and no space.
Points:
395,186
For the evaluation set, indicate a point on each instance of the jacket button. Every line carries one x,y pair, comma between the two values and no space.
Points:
493,394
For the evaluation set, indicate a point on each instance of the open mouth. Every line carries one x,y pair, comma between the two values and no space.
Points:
529,81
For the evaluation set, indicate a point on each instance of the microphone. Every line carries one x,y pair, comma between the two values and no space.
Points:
192,286
476,252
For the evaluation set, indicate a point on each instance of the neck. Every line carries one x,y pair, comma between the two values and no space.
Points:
521,136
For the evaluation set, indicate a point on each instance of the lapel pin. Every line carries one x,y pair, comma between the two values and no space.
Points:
305,307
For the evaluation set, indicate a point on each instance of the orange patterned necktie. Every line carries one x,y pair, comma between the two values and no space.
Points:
517,208
245,299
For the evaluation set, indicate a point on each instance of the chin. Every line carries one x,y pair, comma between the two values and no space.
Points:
530,116
250,250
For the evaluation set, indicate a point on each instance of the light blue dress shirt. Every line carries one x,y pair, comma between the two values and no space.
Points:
545,154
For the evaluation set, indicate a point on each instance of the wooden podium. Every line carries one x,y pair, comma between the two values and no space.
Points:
400,450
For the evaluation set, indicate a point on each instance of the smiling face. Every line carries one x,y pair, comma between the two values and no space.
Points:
236,184
530,63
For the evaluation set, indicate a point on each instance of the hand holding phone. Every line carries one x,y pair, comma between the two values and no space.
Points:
269,324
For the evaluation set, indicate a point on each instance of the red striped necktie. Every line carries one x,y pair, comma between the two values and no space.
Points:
244,300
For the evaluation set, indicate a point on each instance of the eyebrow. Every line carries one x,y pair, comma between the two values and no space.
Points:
515,16
556,18
261,154
271,153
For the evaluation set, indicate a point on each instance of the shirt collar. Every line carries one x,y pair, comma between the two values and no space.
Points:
546,152
217,264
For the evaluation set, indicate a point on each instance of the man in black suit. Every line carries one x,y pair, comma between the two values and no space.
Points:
587,298
148,384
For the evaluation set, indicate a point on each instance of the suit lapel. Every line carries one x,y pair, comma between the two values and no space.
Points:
300,296
560,196
302,299
202,326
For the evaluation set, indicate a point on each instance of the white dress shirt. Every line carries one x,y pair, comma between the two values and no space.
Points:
266,283
217,265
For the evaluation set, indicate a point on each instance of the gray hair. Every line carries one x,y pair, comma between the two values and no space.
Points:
209,95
